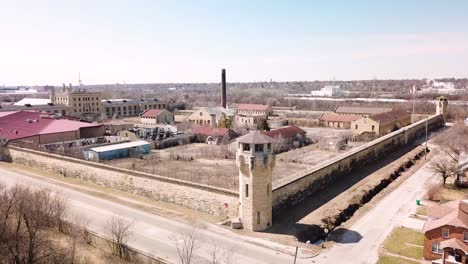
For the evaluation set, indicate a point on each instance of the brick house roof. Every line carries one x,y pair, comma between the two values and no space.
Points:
454,243
285,132
338,118
456,217
389,117
253,107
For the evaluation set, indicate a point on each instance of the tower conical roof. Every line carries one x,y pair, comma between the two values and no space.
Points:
255,138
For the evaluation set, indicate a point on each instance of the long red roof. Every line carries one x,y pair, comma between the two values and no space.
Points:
210,131
285,132
23,124
253,107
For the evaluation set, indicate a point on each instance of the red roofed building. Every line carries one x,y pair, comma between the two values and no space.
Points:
214,135
382,123
287,137
337,121
446,233
40,128
156,116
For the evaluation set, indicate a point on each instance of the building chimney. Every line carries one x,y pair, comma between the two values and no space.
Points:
223,88
213,121
52,95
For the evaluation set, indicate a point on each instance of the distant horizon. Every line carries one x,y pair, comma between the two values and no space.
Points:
183,41
230,82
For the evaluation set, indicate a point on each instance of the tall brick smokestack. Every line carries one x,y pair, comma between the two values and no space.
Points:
223,88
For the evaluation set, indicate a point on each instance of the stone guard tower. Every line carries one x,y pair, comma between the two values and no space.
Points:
442,104
255,160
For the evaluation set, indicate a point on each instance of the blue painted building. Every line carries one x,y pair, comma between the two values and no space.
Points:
117,151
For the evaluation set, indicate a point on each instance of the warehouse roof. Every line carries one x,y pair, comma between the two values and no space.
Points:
361,110
210,131
22,124
253,107
125,145
33,101
388,117
338,118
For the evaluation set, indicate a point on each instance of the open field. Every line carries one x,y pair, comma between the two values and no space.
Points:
215,165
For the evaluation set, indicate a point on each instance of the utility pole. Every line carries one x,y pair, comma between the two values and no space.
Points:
413,92
425,149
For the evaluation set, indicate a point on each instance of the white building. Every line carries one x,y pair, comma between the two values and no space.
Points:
327,91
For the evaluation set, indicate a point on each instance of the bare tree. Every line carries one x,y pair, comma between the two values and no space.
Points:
454,141
444,168
26,216
219,255
120,230
186,244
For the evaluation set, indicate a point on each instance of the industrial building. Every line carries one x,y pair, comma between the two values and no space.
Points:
128,107
327,91
117,151
39,128
157,116
382,123
360,111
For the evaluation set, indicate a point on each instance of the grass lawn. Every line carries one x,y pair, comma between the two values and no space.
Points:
421,210
394,260
451,192
399,240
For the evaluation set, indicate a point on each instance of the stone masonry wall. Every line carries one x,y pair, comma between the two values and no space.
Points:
297,187
215,201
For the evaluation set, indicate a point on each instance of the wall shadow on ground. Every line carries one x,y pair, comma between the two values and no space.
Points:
287,222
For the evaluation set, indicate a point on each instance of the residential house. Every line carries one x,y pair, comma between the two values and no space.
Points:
382,123
156,116
209,116
446,233
287,137
214,135
360,111
337,121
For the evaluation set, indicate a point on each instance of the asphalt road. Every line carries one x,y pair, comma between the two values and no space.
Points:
152,233
360,245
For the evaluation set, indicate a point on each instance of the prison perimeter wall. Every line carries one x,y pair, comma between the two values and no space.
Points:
204,198
297,187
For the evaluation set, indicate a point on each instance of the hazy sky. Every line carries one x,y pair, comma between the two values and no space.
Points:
49,42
